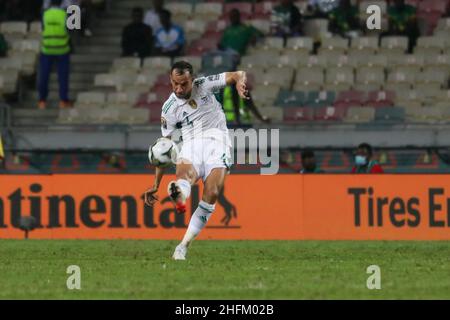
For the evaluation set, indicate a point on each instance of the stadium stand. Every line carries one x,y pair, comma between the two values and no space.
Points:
316,61
314,79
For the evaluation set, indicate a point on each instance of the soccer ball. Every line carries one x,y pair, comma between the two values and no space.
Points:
163,153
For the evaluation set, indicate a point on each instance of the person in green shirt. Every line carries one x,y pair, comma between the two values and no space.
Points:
403,21
238,36
344,18
235,40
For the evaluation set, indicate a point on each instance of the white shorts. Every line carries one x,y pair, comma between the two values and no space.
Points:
206,154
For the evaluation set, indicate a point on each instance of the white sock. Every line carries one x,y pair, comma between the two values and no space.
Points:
185,187
198,221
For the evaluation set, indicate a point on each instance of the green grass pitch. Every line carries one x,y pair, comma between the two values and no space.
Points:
125,269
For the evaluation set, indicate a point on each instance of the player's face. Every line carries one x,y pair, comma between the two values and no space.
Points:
181,84
309,163
363,152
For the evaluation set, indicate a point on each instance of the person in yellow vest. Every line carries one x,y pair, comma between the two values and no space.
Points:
237,110
55,49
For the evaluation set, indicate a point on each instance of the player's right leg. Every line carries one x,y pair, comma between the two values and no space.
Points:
180,189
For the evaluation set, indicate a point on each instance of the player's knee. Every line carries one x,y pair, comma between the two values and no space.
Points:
211,194
187,174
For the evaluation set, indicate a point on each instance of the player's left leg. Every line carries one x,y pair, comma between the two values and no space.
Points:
212,186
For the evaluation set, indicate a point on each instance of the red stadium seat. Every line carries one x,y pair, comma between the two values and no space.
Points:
329,113
433,6
163,80
162,92
298,114
382,98
150,97
262,10
431,19
352,97
216,26
201,46
346,105
212,34
413,3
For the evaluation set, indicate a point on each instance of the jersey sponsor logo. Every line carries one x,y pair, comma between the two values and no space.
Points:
214,77
163,122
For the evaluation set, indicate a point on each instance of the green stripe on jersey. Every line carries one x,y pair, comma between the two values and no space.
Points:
168,105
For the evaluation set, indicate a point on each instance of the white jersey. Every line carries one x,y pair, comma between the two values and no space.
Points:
199,116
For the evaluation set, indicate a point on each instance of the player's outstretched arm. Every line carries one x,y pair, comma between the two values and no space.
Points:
150,196
240,79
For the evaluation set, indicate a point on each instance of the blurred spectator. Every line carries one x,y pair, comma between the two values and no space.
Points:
344,18
286,19
13,10
31,9
235,40
87,9
3,46
169,39
55,49
2,9
137,37
238,36
64,4
87,15
314,11
152,16
403,21
364,162
309,162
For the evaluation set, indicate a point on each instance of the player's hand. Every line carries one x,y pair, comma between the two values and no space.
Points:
241,87
242,90
150,196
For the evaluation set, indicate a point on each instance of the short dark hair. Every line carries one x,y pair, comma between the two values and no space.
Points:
235,11
166,13
307,153
138,10
56,2
366,147
181,67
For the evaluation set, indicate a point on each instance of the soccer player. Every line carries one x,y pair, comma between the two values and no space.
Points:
205,153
